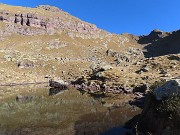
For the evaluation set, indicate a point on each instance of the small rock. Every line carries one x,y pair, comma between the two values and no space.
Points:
107,67
128,90
163,72
25,64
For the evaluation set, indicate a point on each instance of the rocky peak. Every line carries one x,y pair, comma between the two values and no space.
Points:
154,36
49,8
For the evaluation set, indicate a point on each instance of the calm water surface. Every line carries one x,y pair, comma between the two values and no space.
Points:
66,113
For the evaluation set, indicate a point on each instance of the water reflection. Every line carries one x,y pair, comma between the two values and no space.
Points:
55,91
68,113
118,131
99,123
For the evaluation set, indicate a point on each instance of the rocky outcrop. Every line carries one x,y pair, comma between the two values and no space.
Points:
161,112
49,8
170,89
57,23
132,55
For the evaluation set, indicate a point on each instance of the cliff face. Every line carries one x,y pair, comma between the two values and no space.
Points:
48,20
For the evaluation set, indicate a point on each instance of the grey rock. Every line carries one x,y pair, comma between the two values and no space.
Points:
169,89
106,67
163,72
49,8
58,84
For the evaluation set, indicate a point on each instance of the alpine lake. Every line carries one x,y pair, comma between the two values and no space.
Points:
40,110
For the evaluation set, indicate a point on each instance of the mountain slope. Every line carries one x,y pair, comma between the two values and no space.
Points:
46,41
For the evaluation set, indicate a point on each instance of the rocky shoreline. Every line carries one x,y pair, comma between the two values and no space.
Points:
24,83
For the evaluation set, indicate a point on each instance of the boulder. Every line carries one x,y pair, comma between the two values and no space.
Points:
169,89
59,83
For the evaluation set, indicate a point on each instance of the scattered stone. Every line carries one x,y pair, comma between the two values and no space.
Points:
163,72
130,56
144,69
128,90
49,8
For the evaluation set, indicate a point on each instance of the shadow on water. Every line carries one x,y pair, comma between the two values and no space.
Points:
104,123
67,113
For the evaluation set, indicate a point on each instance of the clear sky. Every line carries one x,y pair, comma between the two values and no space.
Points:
118,16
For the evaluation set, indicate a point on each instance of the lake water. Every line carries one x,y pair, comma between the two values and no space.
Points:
66,113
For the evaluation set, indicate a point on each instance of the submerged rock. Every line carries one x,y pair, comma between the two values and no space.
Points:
21,98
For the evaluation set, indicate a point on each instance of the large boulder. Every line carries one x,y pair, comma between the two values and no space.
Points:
161,112
170,89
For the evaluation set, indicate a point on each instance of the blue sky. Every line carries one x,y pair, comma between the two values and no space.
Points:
118,16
